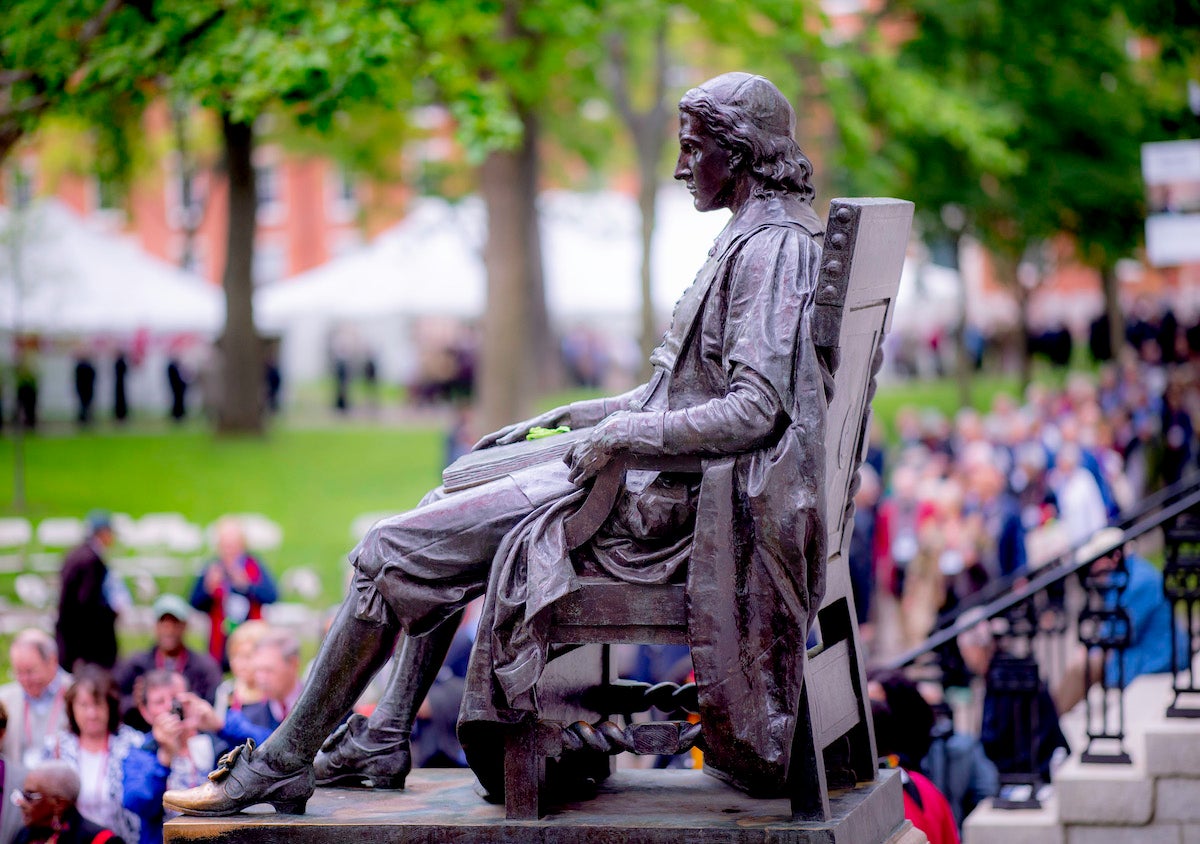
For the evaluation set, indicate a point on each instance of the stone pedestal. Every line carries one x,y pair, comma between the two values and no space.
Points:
632,807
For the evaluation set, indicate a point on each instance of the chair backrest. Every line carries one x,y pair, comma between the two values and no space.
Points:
865,242
856,295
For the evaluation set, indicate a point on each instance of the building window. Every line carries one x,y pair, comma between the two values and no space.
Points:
185,195
270,262
343,195
194,260
344,242
268,187
108,195
20,185
844,7
266,183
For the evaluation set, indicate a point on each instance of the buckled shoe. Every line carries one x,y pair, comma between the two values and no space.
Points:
242,780
353,756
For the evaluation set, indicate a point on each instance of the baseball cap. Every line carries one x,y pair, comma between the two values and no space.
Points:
172,605
98,520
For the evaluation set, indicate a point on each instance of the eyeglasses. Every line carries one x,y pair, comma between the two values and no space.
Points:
25,797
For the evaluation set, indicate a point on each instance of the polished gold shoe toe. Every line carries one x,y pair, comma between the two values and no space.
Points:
241,782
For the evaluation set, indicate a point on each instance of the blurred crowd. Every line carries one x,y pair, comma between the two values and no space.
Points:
953,505
91,738
984,495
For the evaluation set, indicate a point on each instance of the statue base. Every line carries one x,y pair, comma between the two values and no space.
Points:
633,806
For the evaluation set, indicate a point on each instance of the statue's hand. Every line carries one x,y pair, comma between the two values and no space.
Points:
586,458
615,434
517,431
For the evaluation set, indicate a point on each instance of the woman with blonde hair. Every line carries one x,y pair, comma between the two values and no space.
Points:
239,689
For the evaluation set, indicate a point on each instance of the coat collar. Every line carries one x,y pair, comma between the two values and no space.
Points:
760,211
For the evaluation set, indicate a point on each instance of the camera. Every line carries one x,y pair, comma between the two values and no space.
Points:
177,709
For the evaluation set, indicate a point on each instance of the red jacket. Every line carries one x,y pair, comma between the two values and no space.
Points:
928,810
259,591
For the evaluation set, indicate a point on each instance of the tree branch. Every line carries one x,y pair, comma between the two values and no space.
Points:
12,77
15,116
30,107
618,68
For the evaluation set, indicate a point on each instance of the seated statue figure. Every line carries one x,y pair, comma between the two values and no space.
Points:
736,379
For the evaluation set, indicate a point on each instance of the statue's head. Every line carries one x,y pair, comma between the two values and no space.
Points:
751,119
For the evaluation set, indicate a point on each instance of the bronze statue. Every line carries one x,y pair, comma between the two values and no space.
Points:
736,379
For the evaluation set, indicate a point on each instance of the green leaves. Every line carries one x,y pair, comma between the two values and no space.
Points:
1027,115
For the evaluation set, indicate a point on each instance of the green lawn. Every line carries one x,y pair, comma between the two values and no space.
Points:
941,395
312,481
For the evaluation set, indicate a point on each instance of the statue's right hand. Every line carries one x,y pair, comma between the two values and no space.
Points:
517,431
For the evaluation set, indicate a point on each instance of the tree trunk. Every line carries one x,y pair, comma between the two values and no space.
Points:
1112,308
1025,360
188,201
241,373
517,358
542,349
962,355
815,125
647,127
647,199
9,135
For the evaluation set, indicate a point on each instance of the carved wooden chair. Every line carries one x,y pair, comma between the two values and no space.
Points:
834,745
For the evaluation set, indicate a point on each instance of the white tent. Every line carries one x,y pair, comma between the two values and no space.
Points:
427,265
84,288
61,276
431,265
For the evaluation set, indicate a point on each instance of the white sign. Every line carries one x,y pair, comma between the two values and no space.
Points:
1171,161
1173,239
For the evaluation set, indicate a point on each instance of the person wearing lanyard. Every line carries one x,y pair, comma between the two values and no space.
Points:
232,588
97,744
169,652
35,699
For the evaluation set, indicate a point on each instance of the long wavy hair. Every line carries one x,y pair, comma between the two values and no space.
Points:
775,159
98,683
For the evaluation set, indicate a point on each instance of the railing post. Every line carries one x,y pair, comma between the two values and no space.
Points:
1013,684
1181,586
1104,626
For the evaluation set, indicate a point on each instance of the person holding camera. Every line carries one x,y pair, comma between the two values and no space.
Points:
201,671
186,739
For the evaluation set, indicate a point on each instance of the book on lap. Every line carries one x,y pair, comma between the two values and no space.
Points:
489,464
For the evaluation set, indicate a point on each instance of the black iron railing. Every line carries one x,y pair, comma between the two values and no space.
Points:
1181,584
1030,618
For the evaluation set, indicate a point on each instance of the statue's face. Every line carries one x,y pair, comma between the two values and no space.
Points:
706,167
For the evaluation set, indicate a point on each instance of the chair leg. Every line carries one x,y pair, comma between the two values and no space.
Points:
524,772
808,788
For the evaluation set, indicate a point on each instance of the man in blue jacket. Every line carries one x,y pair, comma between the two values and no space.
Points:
185,741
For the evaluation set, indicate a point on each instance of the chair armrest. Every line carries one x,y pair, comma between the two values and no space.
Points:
582,525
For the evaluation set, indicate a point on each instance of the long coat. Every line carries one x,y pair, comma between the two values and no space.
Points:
755,567
86,625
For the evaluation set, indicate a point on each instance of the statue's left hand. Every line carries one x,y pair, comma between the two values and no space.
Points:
517,431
